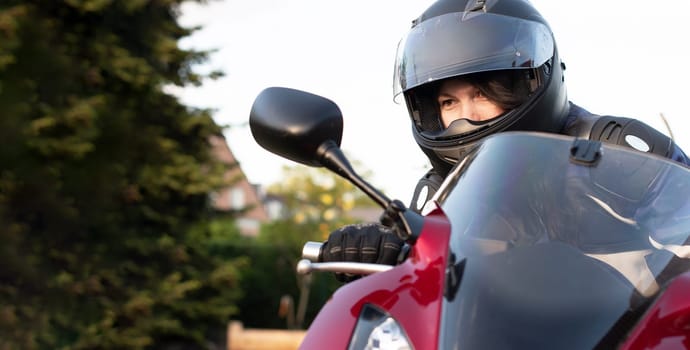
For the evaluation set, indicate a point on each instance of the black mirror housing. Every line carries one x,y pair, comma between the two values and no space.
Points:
294,124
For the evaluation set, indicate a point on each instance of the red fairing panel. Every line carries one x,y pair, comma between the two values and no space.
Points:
411,292
666,325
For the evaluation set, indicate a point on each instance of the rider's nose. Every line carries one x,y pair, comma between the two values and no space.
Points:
467,110
463,111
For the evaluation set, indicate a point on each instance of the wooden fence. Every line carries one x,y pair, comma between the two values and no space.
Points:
240,338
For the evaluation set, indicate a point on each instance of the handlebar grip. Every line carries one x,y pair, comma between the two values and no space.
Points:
311,250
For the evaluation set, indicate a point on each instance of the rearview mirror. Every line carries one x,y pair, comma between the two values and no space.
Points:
294,124
307,129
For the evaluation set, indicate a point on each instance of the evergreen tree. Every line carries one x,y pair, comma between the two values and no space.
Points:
104,181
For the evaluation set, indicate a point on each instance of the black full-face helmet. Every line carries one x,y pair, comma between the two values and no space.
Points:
455,38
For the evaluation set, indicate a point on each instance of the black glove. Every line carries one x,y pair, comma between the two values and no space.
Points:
365,243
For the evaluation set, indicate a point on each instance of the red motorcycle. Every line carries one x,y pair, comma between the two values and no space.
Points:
534,241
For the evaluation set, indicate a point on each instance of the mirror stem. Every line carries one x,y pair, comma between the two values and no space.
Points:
406,223
332,157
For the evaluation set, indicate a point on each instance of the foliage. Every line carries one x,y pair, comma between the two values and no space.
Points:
315,196
104,180
316,202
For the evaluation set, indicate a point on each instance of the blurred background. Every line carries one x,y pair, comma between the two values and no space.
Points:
137,212
623,57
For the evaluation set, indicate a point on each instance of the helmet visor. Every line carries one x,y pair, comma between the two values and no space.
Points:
469,42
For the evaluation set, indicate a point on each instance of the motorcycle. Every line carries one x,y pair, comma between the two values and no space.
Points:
533,241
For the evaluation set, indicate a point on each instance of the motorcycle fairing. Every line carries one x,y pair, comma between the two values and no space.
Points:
411,293
547,253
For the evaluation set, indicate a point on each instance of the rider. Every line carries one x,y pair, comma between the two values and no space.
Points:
468,69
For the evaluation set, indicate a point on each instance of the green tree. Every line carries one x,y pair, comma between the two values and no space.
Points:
315,196
104,181
316,202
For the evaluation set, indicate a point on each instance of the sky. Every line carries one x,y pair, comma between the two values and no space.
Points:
623,57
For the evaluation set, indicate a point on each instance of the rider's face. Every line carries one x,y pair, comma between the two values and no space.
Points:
459,99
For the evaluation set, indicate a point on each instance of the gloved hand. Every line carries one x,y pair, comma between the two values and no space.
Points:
366,243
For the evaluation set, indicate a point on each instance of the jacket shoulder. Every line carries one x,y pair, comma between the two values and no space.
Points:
622,131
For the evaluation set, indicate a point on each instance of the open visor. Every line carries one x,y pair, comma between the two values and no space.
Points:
469,42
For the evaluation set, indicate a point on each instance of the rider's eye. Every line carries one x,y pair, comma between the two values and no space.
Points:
445,102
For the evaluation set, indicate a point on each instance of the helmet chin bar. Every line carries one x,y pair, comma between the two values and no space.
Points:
460,127
464,129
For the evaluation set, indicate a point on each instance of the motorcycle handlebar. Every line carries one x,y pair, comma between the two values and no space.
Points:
312,250
310,257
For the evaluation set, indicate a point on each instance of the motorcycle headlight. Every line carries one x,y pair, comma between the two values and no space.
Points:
376,329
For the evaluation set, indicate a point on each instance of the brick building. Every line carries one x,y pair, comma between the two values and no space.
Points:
240,195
